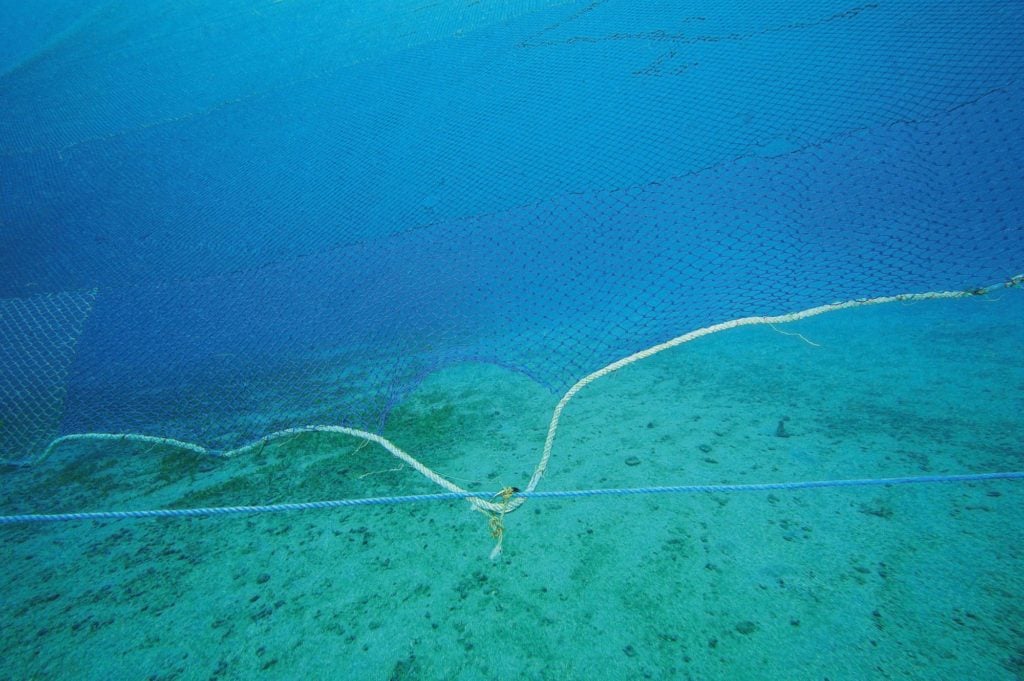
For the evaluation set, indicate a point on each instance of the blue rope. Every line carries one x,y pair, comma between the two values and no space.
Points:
769,486
380,501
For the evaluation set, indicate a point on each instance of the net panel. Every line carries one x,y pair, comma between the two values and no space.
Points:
37,346
294,213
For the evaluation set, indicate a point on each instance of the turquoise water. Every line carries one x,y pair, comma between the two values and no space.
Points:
266,252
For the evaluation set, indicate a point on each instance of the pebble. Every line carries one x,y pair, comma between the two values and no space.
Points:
746,627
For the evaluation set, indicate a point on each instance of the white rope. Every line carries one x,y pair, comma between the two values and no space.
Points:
715,328
512,504
392,448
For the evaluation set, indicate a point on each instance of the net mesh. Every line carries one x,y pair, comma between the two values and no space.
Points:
293,212
37,346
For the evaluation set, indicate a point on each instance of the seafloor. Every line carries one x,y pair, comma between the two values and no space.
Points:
911,581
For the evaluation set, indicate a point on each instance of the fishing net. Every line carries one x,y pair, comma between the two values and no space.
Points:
226,220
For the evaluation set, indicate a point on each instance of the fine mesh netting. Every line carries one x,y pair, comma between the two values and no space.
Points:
221,220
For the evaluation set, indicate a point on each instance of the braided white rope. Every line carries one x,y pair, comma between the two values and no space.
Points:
392,448
485,505
715,328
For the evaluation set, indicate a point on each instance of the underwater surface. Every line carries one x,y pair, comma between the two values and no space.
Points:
384,328
912,581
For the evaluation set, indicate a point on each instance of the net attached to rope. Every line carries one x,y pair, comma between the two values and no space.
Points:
321,206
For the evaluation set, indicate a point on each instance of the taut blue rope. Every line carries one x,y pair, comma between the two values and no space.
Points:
449,496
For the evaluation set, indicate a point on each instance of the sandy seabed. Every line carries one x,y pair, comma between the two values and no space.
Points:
910,581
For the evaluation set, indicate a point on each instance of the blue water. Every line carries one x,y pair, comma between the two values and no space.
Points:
254,190
221,220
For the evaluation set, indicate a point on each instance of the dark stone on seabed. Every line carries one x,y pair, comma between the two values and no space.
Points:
746,627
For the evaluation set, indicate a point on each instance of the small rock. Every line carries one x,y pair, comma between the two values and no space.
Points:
746,627
633,461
